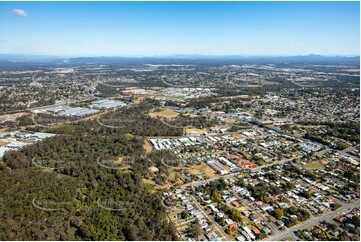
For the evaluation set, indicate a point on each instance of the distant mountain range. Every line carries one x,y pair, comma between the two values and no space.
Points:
180,58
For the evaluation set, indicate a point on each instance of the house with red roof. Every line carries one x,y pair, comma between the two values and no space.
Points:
256,231
233,225
330,202
340,219
355,212
274,198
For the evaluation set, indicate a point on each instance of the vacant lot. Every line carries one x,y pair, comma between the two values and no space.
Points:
195,130
202,168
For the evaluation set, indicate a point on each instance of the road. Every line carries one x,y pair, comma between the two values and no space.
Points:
254,209
345,153
210,218
205,214
198,183
313,221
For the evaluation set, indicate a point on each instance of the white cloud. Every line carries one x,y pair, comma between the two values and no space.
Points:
20,12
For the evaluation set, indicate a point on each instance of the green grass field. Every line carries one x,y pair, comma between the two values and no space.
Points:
314,165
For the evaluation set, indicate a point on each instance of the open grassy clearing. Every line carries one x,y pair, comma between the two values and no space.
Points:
150,185
314,165
166,113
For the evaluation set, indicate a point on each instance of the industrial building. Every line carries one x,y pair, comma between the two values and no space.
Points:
107,104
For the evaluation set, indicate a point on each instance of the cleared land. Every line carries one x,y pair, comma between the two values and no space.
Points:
195,130
2,143
167,113
139,91
117,164
202,168
191,115
239,136
13,115
174,178
147,146
138,100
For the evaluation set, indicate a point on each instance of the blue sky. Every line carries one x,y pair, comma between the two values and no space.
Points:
165,28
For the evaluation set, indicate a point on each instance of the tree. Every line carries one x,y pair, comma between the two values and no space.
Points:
217,197
266,199
236,214
341,145
184,214
229,231
142,216
279,213
290,222
262,235
289,186
196,230
333,227
356,221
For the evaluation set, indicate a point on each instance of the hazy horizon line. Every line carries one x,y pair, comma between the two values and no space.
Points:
178,55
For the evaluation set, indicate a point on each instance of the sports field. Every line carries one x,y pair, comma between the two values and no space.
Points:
314,165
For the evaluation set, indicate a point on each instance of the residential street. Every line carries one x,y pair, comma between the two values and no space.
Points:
314,220
211,219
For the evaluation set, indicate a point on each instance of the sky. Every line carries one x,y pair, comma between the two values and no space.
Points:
170,28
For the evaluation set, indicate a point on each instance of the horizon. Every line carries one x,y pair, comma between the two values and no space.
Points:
158,29
175,56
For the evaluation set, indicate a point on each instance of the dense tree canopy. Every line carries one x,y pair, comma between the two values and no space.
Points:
56,189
